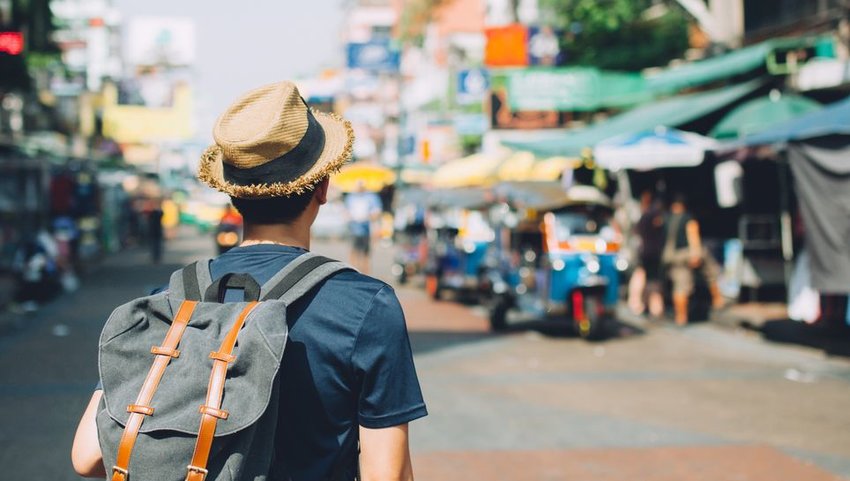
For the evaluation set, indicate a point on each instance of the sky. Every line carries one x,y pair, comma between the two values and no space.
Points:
242,44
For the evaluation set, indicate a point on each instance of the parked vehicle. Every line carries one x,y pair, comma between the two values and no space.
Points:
559,260
459,237
226,237
409,234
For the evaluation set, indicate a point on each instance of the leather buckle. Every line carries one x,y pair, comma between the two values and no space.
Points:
164,351
216,413
135,408
194,469
220,356
125,475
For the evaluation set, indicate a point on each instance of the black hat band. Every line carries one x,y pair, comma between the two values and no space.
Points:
288,166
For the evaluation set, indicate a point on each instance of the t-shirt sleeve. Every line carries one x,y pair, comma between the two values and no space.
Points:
389,392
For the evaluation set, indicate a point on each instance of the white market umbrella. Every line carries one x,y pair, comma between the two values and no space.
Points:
653,149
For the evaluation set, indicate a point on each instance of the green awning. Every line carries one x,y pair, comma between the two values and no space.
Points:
671,112
721,67
761,114
572,89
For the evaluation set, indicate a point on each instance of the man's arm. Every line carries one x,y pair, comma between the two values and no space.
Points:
385,454
85,453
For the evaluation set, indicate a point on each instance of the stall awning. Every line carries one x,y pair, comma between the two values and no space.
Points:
653,149
721,67
552,168
516,167
833,119
417,174
474,170
763,114
671,112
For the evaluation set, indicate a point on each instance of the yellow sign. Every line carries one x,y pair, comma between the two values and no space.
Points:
140,124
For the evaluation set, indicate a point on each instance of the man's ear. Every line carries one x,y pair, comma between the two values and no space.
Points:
322,191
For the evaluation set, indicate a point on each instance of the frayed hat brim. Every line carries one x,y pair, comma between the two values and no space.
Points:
339,144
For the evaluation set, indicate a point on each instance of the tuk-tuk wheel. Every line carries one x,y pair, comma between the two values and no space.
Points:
588,315
499,314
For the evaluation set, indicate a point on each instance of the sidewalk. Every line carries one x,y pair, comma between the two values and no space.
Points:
185,247
49,363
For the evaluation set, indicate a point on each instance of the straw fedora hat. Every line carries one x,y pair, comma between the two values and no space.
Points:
269,143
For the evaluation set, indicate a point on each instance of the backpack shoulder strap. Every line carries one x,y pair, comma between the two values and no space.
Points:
191,282
299,276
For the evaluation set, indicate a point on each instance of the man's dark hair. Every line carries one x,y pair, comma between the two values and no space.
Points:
273,210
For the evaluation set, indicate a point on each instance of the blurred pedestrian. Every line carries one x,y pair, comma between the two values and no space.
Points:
683,253
363,207
645,285
322,374
37,271
156,237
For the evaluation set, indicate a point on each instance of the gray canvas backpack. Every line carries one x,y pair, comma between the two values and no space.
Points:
190,385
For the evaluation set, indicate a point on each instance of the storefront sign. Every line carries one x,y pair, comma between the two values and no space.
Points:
572,89
375,56
506,46
160,41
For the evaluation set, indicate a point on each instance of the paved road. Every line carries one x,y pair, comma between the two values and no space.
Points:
658,403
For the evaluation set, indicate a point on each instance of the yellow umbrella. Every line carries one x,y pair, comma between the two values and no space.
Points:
517,167
372,177
552,168
474,170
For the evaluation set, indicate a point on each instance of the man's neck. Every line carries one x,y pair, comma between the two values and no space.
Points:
284,234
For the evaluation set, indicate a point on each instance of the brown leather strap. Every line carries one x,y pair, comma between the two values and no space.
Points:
211,411
141,408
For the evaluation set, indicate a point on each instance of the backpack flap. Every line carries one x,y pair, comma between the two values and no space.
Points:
125,359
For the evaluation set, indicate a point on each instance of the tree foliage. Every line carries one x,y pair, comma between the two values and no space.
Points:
415,17
618,34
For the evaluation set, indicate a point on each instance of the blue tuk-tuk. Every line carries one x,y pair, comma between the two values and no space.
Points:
559,259
459,237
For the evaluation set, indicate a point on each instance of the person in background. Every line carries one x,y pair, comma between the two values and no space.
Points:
683,253
363,207
37,271
646,280
155,231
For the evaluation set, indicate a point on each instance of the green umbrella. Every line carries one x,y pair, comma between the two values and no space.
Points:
763,113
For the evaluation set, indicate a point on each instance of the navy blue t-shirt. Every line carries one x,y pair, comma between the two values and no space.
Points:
347,362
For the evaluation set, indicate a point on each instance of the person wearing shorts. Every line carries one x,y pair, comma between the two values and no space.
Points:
683,254
363,207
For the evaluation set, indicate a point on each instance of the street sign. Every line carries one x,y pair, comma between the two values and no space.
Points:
472,86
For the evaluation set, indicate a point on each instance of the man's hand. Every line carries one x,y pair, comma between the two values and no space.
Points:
85,453
385,454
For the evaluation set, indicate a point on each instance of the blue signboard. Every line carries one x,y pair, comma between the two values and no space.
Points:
472,86
375,56
543,46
